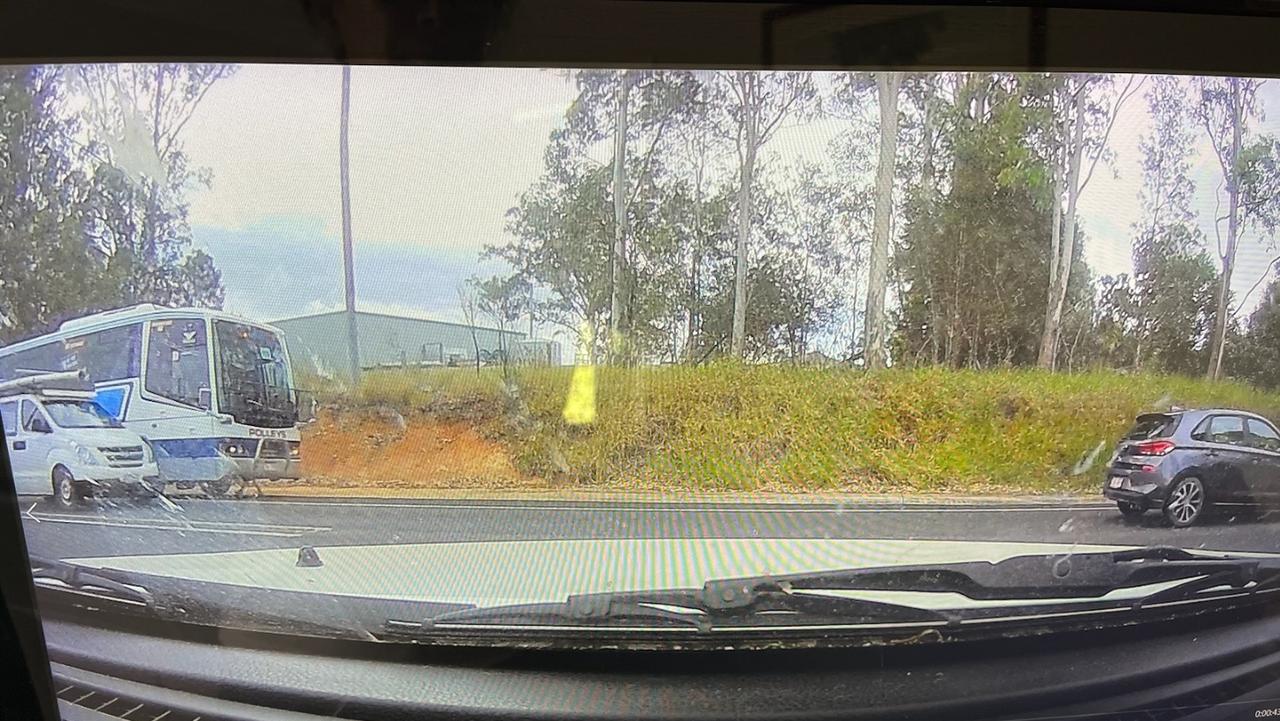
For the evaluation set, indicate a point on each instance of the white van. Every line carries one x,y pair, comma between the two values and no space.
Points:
63,444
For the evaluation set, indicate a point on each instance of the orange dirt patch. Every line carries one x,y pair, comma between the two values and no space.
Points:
381,449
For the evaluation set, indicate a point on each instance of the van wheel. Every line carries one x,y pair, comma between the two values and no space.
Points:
65,493
1186,503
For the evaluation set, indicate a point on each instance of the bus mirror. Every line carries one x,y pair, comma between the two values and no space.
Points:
306,409
39,425
204,399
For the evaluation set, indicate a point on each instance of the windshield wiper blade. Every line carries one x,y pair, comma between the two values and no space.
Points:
593,610
1229,581
171,599
1032,577
679,610
815,599
87,581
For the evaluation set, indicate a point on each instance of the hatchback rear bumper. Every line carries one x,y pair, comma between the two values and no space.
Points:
1146,487
1153,499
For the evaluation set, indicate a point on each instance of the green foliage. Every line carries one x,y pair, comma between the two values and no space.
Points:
563,227
1167,189
85,221
973,261
778,318
731,426
47,267
1258,170
135,115
1256,356
1162,318
679,214
1174,297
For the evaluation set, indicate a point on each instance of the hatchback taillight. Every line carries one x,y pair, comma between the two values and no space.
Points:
1152,448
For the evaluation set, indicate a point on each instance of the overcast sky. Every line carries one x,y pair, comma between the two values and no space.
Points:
439,155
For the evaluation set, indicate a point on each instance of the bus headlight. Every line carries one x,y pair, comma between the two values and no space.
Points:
148,455
236,448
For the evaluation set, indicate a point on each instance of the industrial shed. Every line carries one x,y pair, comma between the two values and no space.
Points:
318,342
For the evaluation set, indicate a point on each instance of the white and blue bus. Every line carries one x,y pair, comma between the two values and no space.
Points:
212,393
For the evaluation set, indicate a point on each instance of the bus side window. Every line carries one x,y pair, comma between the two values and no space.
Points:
47,358
108,355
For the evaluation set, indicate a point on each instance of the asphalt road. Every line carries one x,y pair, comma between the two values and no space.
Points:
110,528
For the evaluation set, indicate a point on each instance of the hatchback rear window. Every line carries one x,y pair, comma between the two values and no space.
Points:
1153,426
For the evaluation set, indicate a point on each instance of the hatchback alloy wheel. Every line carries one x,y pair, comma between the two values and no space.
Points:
1186,502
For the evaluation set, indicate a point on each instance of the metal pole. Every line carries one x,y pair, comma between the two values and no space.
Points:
348,269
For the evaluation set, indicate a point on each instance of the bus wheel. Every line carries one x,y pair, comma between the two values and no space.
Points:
65,493
217,488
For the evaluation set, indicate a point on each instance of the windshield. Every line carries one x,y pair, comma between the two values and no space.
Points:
253,375
495,354
79,414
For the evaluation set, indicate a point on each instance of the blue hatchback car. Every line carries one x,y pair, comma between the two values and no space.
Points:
1184,462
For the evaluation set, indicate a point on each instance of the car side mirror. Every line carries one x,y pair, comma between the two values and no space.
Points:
204,398
40,425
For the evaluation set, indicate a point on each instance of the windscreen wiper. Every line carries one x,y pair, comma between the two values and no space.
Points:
178,600
805,599
1033,577
676,610
62,576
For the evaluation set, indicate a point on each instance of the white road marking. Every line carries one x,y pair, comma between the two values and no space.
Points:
168,504
666,507
228,528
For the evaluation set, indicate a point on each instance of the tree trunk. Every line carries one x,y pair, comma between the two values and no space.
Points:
928,182
353,344
887,87
143,287
1058,297
750,112
593,332
695,291
1055,241
529,307
1221,320
475,344
617,280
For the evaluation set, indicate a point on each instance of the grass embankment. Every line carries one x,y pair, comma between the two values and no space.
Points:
774,428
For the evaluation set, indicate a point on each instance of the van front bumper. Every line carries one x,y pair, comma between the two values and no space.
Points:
99,480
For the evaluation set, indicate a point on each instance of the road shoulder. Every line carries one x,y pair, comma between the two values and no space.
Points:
731,497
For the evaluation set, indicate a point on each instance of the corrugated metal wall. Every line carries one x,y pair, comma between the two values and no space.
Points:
319,342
